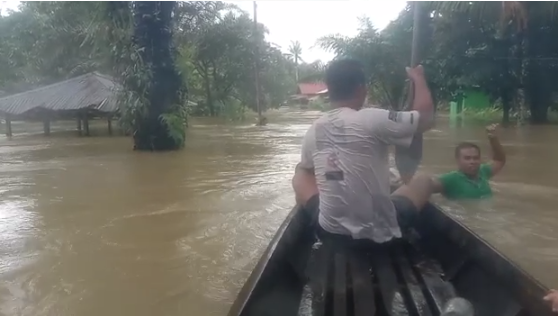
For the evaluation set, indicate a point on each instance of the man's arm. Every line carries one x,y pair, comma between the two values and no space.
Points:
552,298
304,184
304,179
306,163
391,127
422,101
498,154
445,183
409,156
437,185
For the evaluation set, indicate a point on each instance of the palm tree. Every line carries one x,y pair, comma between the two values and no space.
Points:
295,50
153,37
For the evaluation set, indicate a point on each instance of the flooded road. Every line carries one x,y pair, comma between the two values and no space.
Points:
88,227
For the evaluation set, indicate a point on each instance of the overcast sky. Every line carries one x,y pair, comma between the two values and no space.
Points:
306,21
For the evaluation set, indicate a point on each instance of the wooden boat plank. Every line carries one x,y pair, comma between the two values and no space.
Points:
525,290
436,290
363,292
321,284
447,251
387,283
340,285
420,305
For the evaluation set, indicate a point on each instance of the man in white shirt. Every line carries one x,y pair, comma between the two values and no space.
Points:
345,159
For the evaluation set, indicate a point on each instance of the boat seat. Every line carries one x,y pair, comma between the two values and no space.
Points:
391,280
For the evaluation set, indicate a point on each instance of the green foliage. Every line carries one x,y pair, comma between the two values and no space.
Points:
49,41
174,122
319,105
219,59
507,49
233,110
492,114
383,54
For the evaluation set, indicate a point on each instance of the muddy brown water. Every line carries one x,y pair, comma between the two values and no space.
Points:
88,227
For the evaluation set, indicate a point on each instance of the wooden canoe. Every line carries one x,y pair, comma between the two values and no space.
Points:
415,277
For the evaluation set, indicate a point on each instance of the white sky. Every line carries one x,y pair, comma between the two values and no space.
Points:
306,21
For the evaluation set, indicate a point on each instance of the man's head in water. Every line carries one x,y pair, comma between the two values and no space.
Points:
346,83
468,157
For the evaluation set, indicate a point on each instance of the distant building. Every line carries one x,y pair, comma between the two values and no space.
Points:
311,91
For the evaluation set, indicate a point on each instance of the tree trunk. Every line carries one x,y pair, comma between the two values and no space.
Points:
296,67
153,38
537,87
523,66
506,106
506,91
208,94
257,67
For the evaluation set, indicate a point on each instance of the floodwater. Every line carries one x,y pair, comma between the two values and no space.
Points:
89,227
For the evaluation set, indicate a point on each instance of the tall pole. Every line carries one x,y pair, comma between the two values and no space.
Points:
408,159
256,64
415,58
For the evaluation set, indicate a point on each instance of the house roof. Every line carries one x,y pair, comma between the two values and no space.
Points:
92,90
311,88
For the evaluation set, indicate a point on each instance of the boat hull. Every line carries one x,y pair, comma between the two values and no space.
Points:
298,275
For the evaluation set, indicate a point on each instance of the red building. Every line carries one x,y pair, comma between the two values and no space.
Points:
309,91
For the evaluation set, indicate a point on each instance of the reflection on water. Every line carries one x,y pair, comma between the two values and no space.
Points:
88,227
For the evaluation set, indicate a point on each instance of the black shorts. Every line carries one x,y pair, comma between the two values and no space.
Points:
407,213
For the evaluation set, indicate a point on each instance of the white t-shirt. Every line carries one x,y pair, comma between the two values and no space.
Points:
348,150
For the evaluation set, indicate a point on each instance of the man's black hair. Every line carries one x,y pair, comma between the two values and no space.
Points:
343,77
465,145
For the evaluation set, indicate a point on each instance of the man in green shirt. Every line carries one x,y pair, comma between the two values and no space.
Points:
471,179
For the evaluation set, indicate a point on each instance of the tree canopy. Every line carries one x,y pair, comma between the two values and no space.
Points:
44,42
504,49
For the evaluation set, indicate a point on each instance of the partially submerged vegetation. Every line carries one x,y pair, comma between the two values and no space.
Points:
177,59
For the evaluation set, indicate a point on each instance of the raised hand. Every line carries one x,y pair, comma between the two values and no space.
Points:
552,297
492,130
416,73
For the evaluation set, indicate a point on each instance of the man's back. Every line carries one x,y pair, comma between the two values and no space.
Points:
347,151
352,173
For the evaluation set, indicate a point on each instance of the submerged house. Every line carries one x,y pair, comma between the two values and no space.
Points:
82,98
310,91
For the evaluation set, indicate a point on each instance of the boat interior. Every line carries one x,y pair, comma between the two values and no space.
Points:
421,274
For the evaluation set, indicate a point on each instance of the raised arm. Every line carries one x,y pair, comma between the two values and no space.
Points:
408,158
498,154
391,127
422,101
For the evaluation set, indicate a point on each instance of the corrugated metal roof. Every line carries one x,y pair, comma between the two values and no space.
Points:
311,88
92,90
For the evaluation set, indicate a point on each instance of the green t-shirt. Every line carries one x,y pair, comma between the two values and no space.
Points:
457,186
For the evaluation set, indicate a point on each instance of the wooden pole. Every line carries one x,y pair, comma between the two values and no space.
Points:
9,126
415,49
79,129
46,126
109,125
256,64
408,159
417,19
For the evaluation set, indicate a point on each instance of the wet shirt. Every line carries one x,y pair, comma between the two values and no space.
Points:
348,151
457,186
